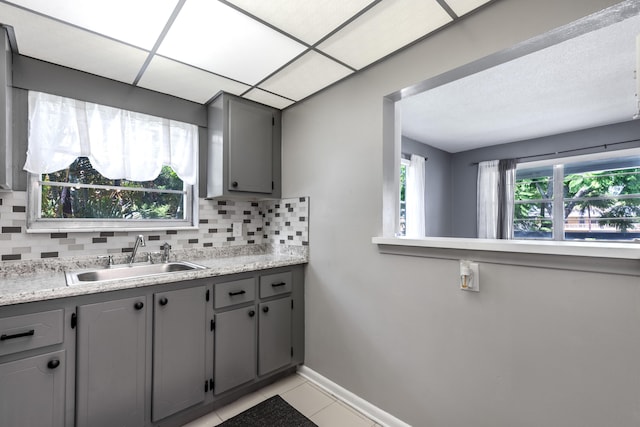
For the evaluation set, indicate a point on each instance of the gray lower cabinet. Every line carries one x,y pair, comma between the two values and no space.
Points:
274,336
32,391
235,348
148,357
179,336
111,356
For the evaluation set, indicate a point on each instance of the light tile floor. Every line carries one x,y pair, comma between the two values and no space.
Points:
317,405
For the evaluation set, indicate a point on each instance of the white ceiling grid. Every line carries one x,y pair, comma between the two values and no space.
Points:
276,52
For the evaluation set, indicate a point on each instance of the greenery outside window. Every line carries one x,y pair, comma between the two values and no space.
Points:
579,199
404,165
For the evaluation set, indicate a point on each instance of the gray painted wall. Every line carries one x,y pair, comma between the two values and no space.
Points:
536,347
437,191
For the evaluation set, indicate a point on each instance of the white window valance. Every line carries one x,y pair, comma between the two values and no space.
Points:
120,144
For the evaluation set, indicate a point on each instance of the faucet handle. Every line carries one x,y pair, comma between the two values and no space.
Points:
109,257
166,252
150,256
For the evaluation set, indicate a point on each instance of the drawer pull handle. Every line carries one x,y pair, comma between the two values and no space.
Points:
29,333
233,294
138,305
163,301
53,364
275,285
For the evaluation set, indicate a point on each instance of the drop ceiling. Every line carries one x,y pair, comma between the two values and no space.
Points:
583,82
276,52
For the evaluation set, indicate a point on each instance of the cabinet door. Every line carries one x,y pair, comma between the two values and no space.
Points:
179,333
274,336
235,348
250,147
32,391
110,372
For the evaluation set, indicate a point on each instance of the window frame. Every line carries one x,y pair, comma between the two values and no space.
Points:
36,224
558,198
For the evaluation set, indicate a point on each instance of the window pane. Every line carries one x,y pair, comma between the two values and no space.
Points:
533,204
603,205
80,202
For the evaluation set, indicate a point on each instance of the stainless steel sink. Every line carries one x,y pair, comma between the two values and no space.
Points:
125,271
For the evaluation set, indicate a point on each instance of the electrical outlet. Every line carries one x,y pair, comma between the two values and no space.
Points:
238,229
469,276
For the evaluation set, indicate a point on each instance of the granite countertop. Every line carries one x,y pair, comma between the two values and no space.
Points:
29,281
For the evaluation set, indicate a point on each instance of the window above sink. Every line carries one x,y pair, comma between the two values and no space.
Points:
94,167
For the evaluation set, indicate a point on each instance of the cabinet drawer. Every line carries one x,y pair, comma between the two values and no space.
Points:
275,284
29,331
236,292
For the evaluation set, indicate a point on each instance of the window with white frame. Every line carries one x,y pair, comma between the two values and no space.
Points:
98,167
593,197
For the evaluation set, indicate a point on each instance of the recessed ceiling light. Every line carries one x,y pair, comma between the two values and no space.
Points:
218,38
183,81
308,74
309,21
137,22
385,28
52,41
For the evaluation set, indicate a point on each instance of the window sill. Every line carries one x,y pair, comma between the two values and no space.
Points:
121,229
622,251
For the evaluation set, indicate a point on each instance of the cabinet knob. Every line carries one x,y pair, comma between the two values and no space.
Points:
265,309
163,301
138,305
53,364
252,313
234,184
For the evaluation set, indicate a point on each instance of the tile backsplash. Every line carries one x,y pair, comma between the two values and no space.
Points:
277,222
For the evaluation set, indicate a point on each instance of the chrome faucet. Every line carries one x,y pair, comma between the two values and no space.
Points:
139,242
166,252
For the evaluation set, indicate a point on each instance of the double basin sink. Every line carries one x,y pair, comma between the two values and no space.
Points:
126,271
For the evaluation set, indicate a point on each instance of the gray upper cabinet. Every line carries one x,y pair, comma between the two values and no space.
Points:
32,391
6,156
244,146
179,336
111,363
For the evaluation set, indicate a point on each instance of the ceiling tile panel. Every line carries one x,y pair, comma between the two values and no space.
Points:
137,22
308,21
183,81
383,29
268,98
461,7
218,38
52,41
306,75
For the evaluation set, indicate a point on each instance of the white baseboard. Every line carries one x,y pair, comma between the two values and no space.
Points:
359,404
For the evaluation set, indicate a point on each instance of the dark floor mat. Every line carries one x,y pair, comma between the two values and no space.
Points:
273,412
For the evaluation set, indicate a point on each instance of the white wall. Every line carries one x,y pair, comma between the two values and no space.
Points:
537,347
